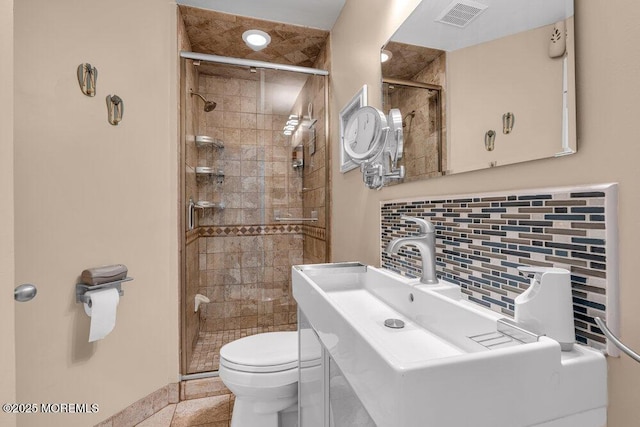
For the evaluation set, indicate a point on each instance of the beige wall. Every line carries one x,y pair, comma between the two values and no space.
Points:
608,65
88,193
7,349
516,74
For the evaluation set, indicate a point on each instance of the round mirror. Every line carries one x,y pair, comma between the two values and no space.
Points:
365,134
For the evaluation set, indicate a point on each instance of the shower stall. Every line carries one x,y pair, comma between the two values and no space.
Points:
254,174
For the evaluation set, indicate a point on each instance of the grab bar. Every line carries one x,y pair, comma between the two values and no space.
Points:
632,354
295,219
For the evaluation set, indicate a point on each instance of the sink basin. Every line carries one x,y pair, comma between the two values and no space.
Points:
453,363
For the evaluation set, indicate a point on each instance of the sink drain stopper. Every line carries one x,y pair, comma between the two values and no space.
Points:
394,323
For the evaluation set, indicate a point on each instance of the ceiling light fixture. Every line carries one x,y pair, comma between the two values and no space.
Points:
385,55
256,39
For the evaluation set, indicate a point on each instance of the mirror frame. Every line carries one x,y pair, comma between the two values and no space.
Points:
357,101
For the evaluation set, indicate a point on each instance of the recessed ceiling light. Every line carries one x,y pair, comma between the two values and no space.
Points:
256,39
385,55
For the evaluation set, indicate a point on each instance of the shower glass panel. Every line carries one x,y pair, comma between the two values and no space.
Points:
260,185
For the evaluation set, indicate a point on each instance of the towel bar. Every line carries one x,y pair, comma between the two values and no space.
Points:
632,354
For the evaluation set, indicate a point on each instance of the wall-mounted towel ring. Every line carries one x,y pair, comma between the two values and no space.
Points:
87,77
115,108
616,341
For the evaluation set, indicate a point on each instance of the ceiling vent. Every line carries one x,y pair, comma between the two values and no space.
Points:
461,13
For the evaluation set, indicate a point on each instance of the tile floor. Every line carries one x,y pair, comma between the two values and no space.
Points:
206,354
195,403
214,411
203,403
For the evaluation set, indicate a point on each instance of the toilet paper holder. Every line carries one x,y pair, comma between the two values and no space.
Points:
82,289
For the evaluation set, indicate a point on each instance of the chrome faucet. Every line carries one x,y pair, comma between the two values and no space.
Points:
426,244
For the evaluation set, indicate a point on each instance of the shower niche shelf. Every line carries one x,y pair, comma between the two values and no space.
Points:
209,172
208,141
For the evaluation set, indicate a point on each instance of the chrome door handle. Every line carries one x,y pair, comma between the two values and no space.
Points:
24,293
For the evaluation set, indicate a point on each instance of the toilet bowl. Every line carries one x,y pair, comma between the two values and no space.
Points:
262,372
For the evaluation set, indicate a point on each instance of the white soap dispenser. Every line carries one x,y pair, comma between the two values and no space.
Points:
546,307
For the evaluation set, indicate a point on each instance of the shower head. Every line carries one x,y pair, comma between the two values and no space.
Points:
208,105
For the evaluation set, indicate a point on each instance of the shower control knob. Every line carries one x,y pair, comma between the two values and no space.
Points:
24,293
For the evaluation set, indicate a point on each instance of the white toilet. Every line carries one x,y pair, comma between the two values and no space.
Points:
262,371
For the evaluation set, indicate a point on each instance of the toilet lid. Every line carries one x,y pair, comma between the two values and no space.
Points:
266,352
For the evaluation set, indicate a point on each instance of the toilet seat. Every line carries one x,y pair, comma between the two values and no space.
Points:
268,352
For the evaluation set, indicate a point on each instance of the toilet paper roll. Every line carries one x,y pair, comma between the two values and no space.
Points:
102,311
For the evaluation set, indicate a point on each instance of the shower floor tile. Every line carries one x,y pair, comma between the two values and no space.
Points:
206,354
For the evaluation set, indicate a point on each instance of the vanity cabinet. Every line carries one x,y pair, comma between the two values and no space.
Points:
325,398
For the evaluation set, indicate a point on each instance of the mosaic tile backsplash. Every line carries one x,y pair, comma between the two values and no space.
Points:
482,239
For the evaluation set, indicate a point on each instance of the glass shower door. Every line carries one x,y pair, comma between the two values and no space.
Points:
240,255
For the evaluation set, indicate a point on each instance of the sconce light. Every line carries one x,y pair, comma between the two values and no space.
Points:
385,55
115,109
87,77
508,120
490,140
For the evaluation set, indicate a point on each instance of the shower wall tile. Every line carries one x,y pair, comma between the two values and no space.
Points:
253,152
247,276
218,33
482,239
314,179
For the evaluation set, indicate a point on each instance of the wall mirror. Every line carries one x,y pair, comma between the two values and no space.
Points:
482,84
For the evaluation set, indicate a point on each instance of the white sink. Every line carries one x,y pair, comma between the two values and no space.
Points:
435,372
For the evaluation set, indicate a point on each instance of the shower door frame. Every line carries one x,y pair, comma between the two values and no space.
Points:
439,120
182,202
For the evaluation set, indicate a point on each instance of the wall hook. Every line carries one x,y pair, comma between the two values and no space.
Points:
87,77
489,140
115,108
508,120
